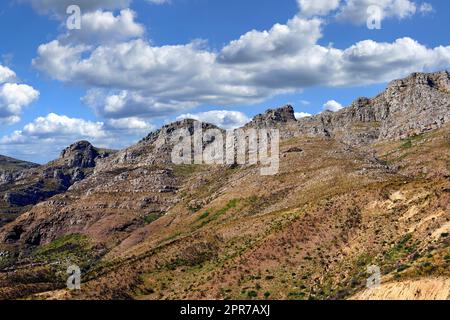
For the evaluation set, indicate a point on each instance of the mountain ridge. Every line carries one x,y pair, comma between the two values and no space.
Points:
348,194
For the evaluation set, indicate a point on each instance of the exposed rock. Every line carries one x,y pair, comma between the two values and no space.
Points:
408,107
10,168
294,150
35,183
155,149
274,118
80,155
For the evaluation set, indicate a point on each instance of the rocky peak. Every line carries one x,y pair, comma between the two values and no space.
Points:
274,117
437,80
154,149
408,107
168,130
81,154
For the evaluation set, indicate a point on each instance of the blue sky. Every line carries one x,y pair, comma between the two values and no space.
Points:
135,65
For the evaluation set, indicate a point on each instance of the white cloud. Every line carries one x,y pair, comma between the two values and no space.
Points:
132,124
13,99
279,41
6,75
311,8
305,102
126,104
355,11
222,118
52,134
104,27
425,8
332,105
59,61
134,78
159,1
59,7
55,132
54,127
299,115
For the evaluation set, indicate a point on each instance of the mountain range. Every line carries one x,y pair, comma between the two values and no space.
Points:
368,185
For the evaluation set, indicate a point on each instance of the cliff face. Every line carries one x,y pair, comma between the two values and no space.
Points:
414,105
10,168
153,150
226,231
32,184
274,118
407,107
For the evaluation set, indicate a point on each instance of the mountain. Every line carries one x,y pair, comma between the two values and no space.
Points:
408,107
23,185
10,164
367,185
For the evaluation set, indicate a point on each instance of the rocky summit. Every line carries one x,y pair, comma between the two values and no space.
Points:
365,186
23,184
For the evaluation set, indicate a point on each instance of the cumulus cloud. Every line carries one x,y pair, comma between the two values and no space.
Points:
55,132
130,125
128,76
14,97
332,105
104,27
126,104
426,8
52,133
281,40
355,11
136,78
6,74
221,118
58,7
299,115
310,8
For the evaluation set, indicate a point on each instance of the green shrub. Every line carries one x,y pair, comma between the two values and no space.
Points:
151,217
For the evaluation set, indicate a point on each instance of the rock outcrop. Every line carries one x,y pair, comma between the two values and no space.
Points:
408,107
274,118
10,168
29,186
82,155
155,149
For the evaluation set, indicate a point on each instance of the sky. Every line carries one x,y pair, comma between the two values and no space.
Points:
116,70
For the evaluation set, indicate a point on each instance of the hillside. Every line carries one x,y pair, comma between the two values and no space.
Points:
23,185
368,185
10,164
